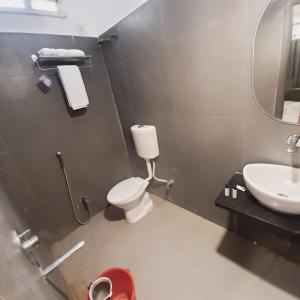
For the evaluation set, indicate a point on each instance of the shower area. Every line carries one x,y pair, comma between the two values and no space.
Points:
55,162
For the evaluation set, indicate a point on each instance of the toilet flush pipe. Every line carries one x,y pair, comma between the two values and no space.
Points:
168,182
151,174
149,169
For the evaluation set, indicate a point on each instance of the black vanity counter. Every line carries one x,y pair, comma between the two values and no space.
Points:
247,205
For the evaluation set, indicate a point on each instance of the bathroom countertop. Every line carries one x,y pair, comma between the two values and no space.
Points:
247,205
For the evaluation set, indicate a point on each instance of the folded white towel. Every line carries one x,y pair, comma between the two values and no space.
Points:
50,52
73,85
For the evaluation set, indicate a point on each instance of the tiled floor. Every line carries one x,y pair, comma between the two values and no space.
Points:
174,254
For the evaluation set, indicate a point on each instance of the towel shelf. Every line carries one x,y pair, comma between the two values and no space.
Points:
50,63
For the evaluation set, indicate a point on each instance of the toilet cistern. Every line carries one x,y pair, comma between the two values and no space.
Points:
131,194
146,145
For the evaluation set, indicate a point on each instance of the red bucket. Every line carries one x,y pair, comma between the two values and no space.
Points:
122,284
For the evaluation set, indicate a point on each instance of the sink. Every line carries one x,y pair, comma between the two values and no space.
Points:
274,186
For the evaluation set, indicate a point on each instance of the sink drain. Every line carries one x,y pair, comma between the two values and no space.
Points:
283,195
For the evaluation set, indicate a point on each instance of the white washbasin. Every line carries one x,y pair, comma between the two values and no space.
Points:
274,186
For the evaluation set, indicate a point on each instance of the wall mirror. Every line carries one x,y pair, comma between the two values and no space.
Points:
276,61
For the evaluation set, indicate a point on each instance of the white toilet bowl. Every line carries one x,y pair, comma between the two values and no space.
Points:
131,196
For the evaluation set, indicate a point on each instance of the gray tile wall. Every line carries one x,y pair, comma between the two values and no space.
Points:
34,126
19,277
185,66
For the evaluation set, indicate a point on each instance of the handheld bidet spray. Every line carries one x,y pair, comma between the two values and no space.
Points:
84,200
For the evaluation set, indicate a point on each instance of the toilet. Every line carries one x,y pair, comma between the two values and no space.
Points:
130,194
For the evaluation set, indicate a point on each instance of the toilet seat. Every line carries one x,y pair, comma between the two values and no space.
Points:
127,190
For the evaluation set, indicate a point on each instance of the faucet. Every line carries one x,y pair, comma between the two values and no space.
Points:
293,142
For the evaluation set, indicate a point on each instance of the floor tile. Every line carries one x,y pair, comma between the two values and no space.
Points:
175,254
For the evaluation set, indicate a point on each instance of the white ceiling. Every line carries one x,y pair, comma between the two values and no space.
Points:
92,16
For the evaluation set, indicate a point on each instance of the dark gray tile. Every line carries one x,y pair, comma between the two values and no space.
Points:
176,194
20,268
117,76
21,193
186,90
86,152
141,32
35,126
211,146
13,212
3,146
202,86
183,18
111,50
185,67
146,83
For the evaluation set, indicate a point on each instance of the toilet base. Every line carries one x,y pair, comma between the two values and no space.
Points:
137,213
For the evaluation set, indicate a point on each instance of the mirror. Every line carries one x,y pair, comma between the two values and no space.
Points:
276,61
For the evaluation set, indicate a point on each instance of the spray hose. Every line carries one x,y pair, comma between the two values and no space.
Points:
84,200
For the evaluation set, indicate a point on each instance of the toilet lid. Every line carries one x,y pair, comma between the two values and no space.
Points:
126,190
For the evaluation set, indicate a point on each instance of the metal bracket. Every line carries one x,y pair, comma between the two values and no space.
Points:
37,61
45,271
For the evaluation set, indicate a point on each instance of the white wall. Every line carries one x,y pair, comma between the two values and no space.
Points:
95,15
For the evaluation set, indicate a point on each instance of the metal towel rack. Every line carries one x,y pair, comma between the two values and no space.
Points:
39,60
